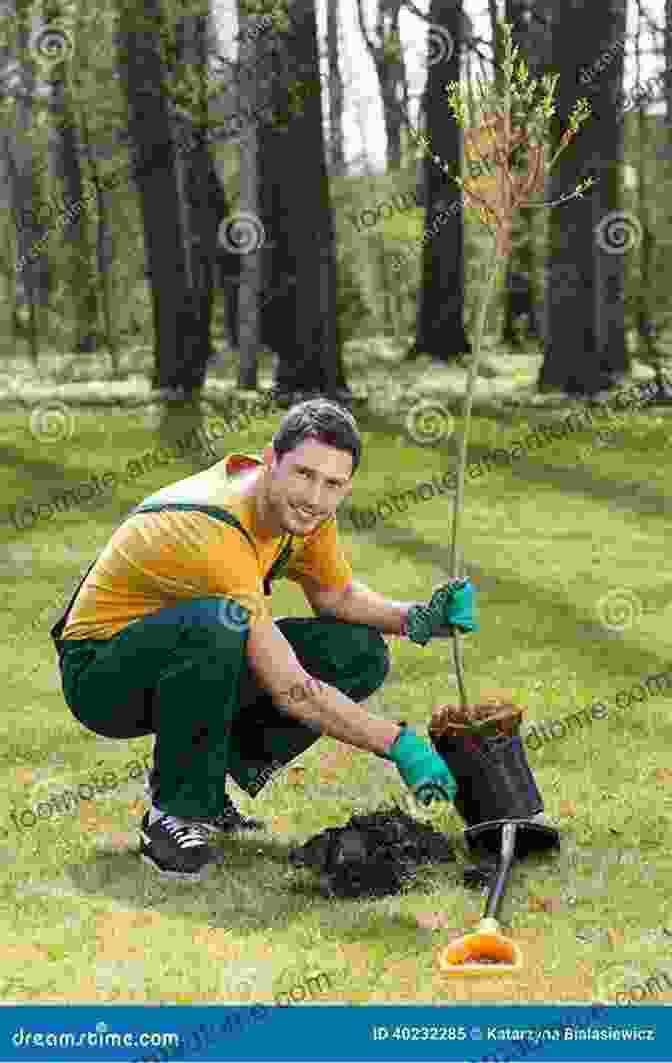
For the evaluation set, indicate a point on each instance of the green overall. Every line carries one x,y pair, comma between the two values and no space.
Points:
182,674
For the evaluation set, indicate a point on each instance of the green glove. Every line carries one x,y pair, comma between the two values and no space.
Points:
421,767
451,605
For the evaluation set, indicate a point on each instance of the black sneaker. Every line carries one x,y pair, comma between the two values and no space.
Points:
225,822
230,820
176,848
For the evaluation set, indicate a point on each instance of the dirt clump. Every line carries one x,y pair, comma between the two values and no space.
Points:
487,709
372,855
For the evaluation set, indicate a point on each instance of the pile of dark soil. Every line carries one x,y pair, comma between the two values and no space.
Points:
373,855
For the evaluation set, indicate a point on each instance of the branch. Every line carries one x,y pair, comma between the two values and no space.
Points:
563,199
362,25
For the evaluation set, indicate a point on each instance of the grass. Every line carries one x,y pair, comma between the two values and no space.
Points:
546,542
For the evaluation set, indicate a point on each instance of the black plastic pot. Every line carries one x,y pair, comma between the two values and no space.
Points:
494,780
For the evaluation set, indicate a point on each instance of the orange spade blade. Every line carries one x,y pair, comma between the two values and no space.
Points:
465,956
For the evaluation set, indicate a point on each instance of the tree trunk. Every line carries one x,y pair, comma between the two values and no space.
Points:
668,79
32,273
440,318
531,34
66,161
178,342
104,249
299,213
336,95
388,60
201,196
391,114
251,228
585,348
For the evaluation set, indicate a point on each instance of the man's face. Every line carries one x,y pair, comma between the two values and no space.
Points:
314,478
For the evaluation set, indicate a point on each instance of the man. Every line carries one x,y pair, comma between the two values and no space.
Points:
171,633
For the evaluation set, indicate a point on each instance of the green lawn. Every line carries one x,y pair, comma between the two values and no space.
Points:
546,542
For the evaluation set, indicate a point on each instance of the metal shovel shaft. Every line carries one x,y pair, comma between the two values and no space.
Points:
506,860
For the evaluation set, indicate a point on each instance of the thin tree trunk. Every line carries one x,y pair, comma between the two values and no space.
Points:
104,249
668,77
250,262
336,95
522,258
440,318
24,183
179,357
66,154
388,61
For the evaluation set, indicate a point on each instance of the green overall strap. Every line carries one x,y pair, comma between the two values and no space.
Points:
218,513
57,630
212,511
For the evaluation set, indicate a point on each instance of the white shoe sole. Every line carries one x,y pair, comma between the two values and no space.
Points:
183,876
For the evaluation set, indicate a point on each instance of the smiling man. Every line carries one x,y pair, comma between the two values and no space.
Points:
171,633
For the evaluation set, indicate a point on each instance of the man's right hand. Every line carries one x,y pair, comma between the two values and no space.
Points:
421,768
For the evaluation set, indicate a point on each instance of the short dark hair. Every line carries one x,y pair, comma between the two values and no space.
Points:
322,420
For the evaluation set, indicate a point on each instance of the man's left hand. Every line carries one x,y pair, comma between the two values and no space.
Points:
451,606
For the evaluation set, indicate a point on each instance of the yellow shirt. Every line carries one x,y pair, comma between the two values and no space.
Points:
155,560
